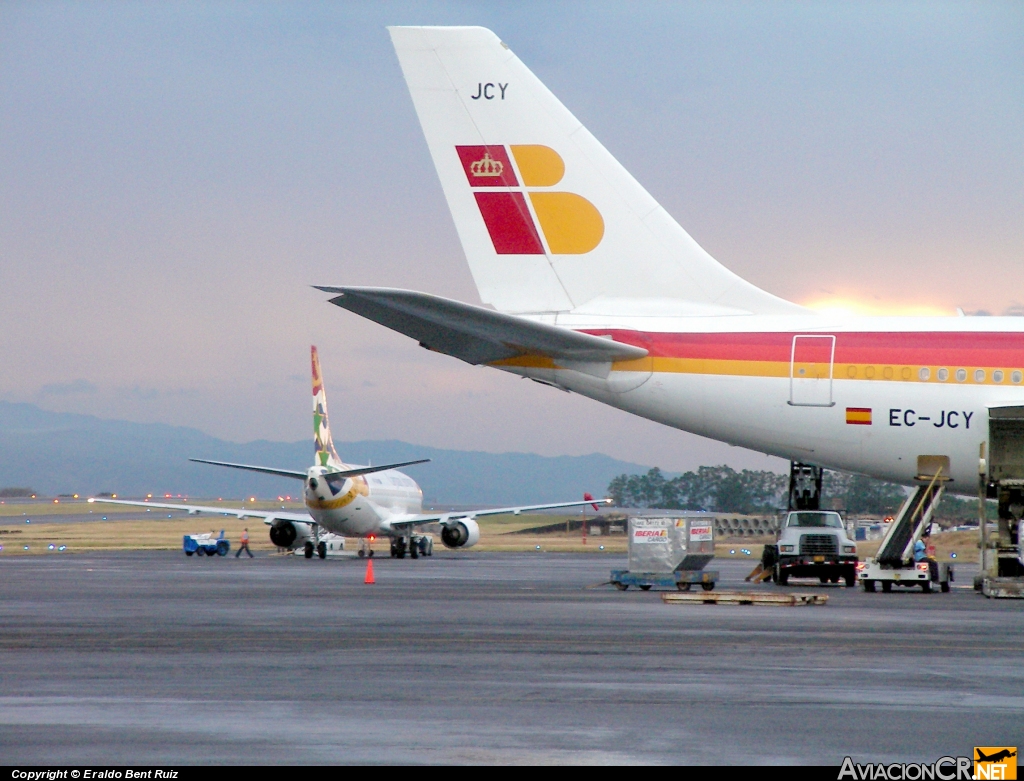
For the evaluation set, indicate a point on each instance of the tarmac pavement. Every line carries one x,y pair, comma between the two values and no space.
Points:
467,657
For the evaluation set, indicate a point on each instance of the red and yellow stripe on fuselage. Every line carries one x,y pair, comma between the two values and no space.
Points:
979,358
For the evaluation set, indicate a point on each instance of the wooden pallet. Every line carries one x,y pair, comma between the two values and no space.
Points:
744,598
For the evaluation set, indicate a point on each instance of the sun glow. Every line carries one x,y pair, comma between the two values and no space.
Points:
850,307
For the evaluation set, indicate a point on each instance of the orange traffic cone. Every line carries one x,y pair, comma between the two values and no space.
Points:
369,572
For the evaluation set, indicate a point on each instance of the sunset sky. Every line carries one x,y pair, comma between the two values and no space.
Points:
175,176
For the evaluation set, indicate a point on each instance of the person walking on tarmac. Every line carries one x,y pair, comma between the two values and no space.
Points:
244,545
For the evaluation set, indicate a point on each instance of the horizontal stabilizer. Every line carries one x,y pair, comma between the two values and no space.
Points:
367,470
362,470
265,469
472,333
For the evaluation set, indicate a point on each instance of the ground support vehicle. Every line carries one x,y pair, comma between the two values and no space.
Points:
206,544
683,580
922,573
1001,477
894,565
668,551
812,544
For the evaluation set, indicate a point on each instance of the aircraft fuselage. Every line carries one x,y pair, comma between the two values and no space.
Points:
861,394
360,506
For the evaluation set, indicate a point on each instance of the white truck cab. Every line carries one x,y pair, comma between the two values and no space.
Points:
813,544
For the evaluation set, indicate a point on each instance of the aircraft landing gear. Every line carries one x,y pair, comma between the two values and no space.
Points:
365,551
415,545
315,544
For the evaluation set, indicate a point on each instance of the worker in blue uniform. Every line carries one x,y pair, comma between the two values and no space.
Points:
922,553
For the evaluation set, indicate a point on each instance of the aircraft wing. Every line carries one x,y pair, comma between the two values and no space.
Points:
472,333
268,516
422,518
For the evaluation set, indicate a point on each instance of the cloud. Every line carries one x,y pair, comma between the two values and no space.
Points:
68,388
1014,310
141,393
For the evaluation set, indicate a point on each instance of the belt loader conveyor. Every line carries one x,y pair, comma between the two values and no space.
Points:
894,564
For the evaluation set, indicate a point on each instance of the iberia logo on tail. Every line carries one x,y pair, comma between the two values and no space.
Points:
516,214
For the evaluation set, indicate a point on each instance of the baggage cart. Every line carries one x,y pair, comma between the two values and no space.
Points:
670,552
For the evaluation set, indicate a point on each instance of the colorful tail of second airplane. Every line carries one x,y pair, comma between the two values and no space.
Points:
326,455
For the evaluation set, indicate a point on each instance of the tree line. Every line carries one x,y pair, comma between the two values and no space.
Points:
756,492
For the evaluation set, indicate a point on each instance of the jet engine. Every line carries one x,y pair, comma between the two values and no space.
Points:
463,533
285,534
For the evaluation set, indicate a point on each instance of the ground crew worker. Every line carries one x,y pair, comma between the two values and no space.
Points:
924,550
244,545
920,549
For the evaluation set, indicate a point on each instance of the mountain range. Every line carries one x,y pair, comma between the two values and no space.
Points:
56,453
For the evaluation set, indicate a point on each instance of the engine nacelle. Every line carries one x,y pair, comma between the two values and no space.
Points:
463,533
285,534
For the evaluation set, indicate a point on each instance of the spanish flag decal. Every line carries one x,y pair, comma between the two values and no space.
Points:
858,416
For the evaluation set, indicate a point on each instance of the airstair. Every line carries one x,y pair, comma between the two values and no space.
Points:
894,564
913,518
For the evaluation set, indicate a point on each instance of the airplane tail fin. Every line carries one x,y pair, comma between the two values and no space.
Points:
548,219
326,455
